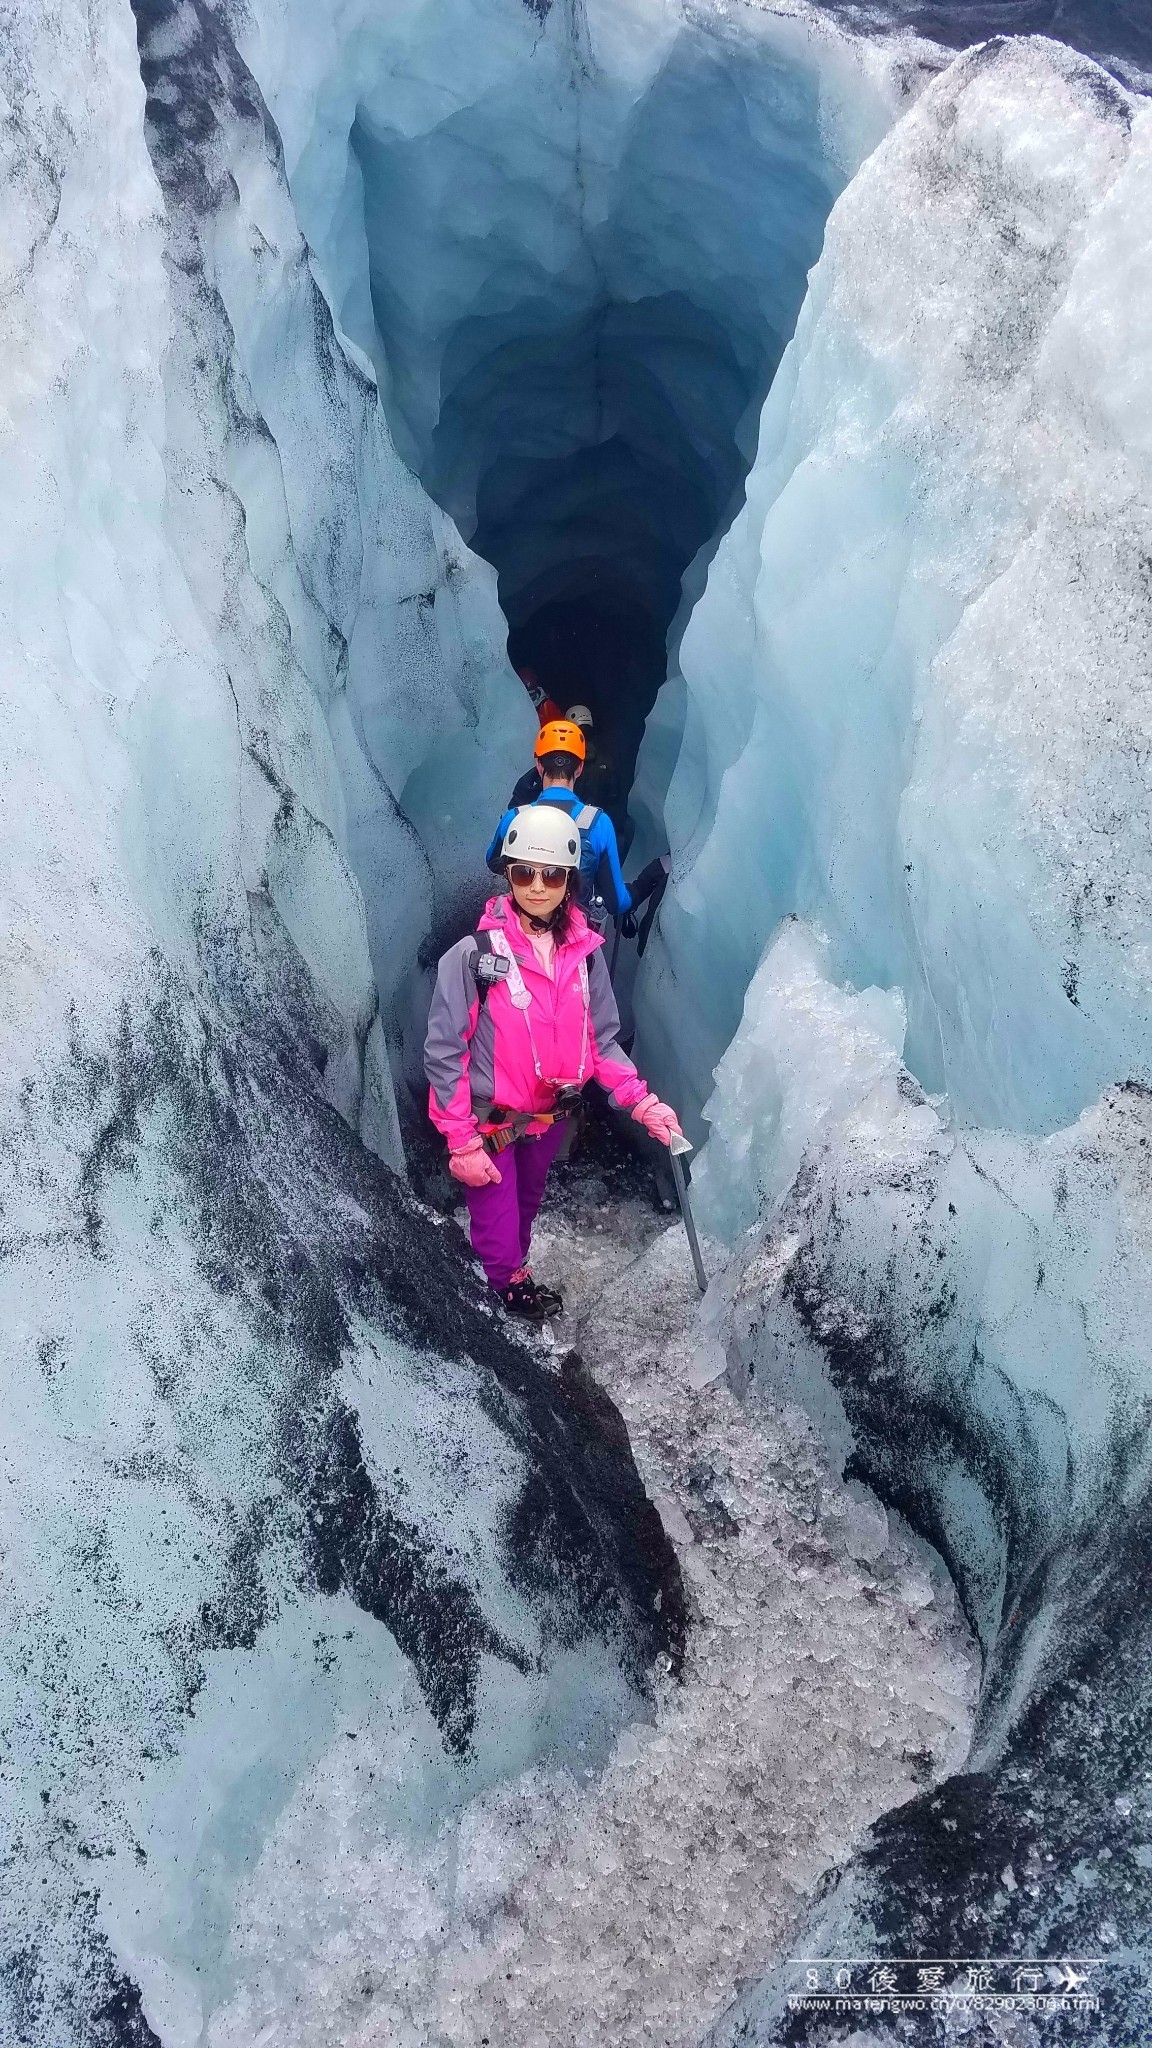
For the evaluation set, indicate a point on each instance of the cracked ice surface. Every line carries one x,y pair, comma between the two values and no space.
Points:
965,1314
828,1676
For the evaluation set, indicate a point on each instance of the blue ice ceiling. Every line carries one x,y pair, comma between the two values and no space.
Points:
576,265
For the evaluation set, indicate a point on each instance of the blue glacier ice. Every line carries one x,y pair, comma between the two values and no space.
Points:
376,632
271,1469
915,705
798,354
574,253
915,682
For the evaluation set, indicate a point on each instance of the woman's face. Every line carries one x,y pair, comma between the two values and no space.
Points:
539,891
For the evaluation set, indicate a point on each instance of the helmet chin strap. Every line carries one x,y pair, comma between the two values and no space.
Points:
539,924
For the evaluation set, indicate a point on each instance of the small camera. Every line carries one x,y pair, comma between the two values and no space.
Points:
492,967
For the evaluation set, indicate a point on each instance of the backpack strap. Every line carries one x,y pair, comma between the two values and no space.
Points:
586,993
501,950
586,817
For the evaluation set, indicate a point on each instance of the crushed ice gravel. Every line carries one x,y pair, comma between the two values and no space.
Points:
829,1675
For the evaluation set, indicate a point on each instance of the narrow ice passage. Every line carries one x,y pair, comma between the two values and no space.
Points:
575,255
906,710
327,327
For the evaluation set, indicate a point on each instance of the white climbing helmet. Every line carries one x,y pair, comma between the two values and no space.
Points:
579,714
544,835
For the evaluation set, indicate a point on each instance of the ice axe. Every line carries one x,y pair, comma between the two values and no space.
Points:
678,1145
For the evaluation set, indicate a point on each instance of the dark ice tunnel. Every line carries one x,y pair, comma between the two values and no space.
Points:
580,296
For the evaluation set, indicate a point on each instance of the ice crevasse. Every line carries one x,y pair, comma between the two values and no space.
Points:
536,222
274,1480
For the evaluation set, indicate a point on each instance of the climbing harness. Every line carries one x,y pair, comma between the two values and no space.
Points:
501,1127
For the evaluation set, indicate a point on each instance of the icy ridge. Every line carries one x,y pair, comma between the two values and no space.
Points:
247,1380
965,1317
335,584
964,1314
916,680
917,708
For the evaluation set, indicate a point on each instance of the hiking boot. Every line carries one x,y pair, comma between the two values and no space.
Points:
551,1297
523,1298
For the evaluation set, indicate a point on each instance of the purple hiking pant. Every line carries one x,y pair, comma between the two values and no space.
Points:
502,1214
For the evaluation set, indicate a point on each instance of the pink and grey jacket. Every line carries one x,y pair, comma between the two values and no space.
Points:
483,1052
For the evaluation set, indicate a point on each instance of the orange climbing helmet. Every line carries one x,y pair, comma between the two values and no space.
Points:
560,736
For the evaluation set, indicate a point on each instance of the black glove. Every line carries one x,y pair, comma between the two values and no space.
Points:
628,925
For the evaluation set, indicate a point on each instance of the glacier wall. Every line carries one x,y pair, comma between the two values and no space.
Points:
916,681
903,970
1113,32
574,241
360,604
272,1473
966,1314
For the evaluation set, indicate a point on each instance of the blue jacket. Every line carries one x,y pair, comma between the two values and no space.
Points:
599,855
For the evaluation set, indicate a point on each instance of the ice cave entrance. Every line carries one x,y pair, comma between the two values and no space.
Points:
576,264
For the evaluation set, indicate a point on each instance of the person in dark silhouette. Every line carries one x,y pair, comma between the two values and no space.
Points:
595,780
547,711
646,887
593,775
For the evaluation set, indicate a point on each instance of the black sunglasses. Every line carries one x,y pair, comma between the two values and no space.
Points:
523,876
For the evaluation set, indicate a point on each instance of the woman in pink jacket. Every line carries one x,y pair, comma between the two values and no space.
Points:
522,1016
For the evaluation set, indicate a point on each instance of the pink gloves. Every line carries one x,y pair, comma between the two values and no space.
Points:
473,1166
657,1118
